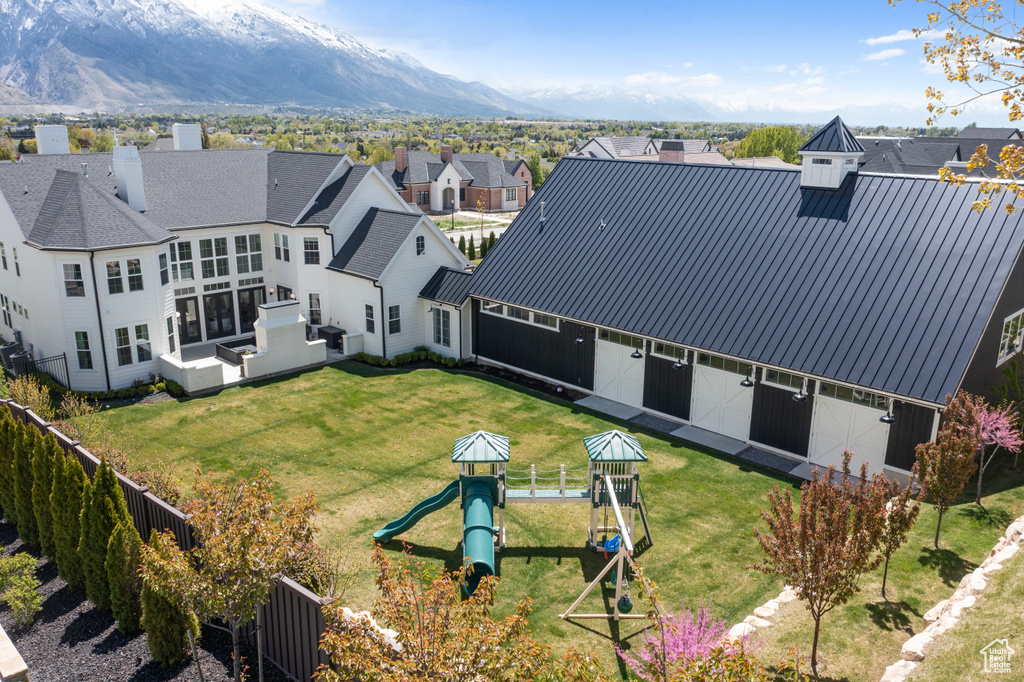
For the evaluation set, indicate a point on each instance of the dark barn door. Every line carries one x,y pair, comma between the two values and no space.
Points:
779,421
667,389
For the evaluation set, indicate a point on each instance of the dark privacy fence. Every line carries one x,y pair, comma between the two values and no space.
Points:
292,622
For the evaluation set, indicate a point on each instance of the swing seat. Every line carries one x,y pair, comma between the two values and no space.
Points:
613,544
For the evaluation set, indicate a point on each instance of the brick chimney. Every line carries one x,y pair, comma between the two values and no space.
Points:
446,153
672,150
401,159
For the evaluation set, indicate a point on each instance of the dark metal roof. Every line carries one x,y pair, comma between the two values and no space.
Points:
374,242
447,286
834,137
885,283
77,214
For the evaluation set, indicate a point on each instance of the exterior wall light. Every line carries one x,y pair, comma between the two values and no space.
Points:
747,382
636,354
801,397
888,417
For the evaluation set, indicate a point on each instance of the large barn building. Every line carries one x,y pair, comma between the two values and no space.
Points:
805,311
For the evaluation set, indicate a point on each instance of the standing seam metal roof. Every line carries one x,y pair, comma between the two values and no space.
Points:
447,286
885,283
834,137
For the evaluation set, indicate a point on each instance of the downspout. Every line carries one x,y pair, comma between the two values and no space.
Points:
99,317
383,322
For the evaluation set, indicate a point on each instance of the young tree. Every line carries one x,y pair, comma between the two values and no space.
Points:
19,588
8,439
102,509
483,249
998,430
900,514
69,488
23,448
44,457
471,253
824,549
166,622
245,543
439,635
943,467
979,47
462,244
1011,397
536,170
124,558
780,141
490,240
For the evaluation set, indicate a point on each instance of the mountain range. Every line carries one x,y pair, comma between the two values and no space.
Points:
109,54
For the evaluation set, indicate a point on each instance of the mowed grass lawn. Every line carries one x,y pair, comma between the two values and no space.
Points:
372,443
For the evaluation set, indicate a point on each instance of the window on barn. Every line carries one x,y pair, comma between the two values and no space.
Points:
1013,331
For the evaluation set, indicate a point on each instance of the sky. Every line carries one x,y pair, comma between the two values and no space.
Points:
791,54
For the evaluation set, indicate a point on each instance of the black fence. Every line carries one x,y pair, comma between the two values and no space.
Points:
292,619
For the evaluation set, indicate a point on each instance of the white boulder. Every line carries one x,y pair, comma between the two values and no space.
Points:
898,672
913,648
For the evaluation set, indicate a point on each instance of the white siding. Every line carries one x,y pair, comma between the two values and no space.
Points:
405,277
346,308
373,191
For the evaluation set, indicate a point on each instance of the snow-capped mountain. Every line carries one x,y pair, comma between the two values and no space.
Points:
109,53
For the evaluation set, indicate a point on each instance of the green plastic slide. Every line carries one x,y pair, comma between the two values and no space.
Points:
427,506
478,531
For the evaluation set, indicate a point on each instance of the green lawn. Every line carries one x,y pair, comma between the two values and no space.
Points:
998,614
372,443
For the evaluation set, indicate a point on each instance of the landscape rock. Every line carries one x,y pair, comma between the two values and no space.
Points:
1005,554
768,610
991,568
757,622
935,612
913,648
976,583
1015,530
957,609
786,596
942,624
898,672
739,631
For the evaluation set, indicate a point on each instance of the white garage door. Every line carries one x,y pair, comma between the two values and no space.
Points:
619,377
840,424
720,403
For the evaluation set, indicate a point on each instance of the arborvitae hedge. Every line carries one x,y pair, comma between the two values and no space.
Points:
8,432
102,512
23,447
123,556
164,622
69,487
483,248
471,252
462,244
490,241
44,457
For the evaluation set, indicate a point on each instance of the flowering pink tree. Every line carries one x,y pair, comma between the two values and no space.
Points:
998,426
688,636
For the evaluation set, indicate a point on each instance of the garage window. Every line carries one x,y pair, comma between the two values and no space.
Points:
724,364
518,313
667,350
783,379
621,339
853,395
492,307
545,320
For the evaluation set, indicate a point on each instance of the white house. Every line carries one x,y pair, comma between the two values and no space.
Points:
120,261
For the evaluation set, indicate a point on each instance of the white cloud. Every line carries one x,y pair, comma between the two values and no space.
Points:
815,80
900,36
778,68
661,78
885,54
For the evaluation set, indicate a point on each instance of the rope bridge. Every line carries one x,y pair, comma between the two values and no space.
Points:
535,485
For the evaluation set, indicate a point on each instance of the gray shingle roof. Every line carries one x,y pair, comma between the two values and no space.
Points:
160,144
334,196
686,146
374,242
924,155
989,133
885,283
292,180
477,168
447,286
183,189
77,214
834,137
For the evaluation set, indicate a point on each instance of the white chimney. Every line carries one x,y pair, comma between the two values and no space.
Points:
52,140
128,174
187,137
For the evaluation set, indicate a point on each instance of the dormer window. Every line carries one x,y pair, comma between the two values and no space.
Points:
821,162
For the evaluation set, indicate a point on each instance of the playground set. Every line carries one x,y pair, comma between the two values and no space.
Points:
611,485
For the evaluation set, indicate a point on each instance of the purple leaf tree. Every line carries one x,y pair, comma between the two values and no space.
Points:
998,427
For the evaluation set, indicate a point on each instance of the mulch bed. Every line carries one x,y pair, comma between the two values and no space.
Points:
73,640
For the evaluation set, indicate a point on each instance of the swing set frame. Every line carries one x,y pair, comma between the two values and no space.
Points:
623,557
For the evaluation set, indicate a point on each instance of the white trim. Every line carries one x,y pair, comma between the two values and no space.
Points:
504,315
767,382
1013,353
809,377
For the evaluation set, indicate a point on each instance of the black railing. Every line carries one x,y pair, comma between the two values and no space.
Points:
56,366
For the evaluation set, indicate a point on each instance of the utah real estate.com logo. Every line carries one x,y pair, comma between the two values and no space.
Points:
997,656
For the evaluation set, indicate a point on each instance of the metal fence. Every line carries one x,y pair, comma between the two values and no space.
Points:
292,619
